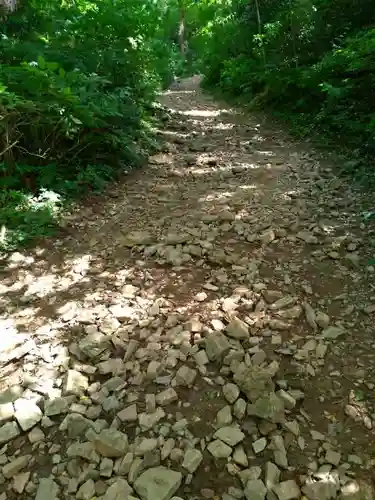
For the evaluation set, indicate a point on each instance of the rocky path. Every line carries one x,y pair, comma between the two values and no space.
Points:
202,331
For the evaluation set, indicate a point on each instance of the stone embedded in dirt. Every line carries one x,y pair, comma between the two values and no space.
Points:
192,460
259,445
111,443
15,466
322,319
279,451
217,346
148,421
272,475
128,414
9,431
6,412
135,238
239,409
94,345
83,450
230,435
307,237
121,313
287,398
75,383
283,303
240,457
310,315
27,413
287,490
231,392
224,416
47,489
269,407
158,483
237,329
333,457
333,332
255,381
255,490
166,397
320,490
119,490
36,435
218,449
185,376
86,490
20,481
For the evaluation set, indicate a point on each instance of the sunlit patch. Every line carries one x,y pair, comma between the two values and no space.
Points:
223,126
176,92
204,112
266,153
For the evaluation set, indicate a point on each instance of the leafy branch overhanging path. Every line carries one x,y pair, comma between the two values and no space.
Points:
204,330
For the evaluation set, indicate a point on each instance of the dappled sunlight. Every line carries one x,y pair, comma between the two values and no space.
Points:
205,113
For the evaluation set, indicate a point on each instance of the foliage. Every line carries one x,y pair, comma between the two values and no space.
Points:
313,61
77,85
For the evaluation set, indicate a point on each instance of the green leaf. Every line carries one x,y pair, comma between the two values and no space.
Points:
41,62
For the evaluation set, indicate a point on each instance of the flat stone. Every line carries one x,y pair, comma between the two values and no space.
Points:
254,381
224,416
185,376
83,450
94,345
111,443
166,397
36,435
272,475
255,490
6,412
128,414
119,490
237,329
320,490
55,406
231,392
333,332
86,491
20,481
217,345
148,421
47,489
27,413
287,490
269,407
259,445
75,383
158,483
218,449
9,431
333,457
15,466
230,435
192,460
75,425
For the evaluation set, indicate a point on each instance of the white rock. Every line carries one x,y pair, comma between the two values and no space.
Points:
27,413
75,383
6,412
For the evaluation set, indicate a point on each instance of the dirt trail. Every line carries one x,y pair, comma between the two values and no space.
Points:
203,330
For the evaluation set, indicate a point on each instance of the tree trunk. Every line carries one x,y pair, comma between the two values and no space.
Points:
260,30
181,30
